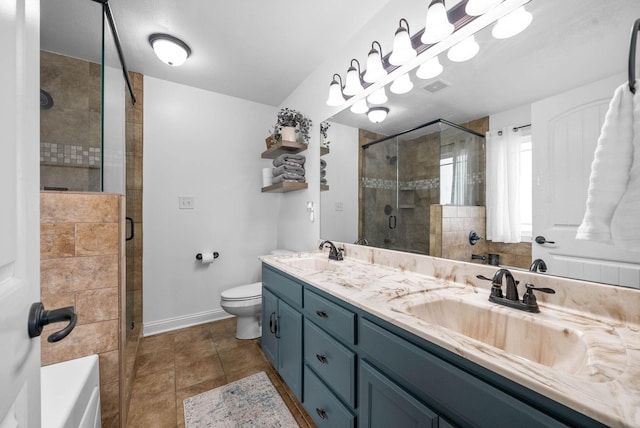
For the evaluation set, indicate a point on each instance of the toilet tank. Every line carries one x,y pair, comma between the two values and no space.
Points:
70,394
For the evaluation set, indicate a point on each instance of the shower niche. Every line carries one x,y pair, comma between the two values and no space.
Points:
405,176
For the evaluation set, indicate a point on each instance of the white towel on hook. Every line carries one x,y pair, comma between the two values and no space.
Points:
610,168
625,224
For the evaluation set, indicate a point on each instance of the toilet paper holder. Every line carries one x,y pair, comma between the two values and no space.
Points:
215,255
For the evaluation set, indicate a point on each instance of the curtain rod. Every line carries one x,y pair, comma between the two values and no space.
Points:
516,128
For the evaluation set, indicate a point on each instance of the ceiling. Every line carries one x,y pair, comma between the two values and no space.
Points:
255,50
261,51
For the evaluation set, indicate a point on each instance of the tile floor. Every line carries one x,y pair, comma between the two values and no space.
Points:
179,364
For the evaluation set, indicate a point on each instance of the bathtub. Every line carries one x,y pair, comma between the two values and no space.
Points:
70,393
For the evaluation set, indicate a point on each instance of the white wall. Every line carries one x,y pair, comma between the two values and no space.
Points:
206,145
342,177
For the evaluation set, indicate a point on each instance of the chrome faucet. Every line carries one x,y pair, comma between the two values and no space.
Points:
512,300
334,253
538,265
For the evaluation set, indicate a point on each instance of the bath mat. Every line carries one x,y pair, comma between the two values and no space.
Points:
249,402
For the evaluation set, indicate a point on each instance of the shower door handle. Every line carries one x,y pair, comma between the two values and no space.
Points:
133,232
393,221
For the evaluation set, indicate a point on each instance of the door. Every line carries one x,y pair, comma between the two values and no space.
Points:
290,347
19,211
565,132
269,326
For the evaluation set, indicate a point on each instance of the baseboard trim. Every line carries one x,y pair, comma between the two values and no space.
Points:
176,323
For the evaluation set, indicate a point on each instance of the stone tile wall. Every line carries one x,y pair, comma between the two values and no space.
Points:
82,265
449,231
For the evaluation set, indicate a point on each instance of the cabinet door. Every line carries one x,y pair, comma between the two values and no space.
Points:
290,347
269,325
384,404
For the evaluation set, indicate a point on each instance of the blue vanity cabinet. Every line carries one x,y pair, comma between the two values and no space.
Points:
384,404
282,326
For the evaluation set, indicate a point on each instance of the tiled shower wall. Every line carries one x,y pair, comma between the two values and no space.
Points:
70,140
82,265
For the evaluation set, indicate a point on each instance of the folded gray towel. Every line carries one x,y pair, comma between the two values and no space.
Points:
288,176
323,181
323,172
290,158
287,167
323,163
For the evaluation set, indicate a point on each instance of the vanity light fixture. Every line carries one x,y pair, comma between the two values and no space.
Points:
403,50
377,114
438,26
360,107
480,7
169,49
512,24
352,83
375,69
430,69
401,85
335,92
465,50
379,96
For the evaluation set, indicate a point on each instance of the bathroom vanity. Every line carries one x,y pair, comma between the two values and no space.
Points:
388,344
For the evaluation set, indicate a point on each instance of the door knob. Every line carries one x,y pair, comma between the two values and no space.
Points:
39,317
541,240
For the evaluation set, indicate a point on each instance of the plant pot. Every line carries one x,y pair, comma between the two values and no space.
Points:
271,140
288,133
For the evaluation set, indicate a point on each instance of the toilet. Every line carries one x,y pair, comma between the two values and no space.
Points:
245,302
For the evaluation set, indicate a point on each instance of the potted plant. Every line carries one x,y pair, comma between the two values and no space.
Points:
290,122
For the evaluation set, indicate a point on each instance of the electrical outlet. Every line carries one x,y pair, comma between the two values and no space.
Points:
339,206
186,202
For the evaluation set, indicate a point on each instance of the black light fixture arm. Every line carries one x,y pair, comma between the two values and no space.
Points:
632,55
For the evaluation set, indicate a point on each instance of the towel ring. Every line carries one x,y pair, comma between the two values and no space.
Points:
632,55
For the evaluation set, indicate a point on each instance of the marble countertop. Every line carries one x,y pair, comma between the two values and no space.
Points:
600,377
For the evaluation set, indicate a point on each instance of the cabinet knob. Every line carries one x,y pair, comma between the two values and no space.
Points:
322,413
322,359
322,314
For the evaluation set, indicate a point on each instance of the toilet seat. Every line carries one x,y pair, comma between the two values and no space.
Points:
243,292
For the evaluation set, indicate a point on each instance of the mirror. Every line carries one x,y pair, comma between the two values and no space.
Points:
568,45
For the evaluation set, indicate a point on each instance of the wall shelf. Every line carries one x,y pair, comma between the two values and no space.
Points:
324,151
284,186
324,187
283,147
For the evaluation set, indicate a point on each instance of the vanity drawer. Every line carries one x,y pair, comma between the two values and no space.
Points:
323,407
282,285
331,361
330,316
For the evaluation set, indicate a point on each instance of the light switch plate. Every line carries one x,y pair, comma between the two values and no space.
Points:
186,202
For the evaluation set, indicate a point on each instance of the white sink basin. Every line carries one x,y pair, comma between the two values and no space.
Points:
312,263
518,333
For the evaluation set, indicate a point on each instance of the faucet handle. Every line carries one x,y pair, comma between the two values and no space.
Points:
496,287
530,299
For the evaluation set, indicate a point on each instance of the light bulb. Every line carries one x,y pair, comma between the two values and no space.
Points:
480,7
430,69
335,93
352,84
379,96
360,107
169,49
438,26
401,85
403,50
512,24
377,114
375,69
465,50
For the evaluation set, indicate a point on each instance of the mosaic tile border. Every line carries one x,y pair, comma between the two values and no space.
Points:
70,155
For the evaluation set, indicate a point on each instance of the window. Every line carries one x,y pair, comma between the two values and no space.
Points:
526,187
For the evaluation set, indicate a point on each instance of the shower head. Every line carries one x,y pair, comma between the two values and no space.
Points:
46,101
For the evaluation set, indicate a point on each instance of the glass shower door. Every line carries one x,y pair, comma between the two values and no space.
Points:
379,208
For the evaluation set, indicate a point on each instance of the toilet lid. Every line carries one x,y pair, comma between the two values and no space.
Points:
243,292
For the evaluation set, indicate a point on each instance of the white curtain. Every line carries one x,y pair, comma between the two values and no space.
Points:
503,184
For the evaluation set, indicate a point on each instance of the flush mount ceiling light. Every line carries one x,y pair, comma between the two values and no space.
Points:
377,97
360,107
169,49
352,83
403,50
430,69
401,85
377,114
465,50
480,7
438,26
375,69
335,92
512,24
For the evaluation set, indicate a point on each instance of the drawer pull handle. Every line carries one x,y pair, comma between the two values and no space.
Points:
322,359
322,314
322,413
